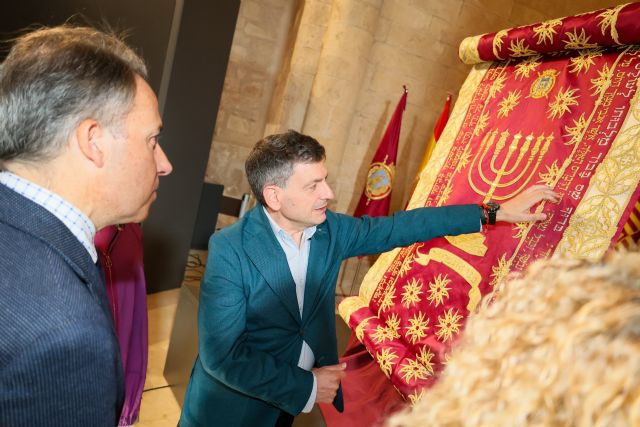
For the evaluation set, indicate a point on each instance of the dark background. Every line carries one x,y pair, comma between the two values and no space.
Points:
186,45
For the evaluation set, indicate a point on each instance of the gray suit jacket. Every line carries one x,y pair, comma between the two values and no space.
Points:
59,358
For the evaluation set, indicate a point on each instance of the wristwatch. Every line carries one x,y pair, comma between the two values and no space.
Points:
490,210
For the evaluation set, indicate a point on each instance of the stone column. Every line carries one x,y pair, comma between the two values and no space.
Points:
339,76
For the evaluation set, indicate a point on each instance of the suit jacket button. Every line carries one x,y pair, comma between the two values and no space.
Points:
301,332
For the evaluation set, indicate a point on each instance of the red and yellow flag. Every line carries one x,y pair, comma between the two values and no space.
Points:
437,131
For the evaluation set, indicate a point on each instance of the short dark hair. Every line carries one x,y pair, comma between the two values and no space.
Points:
272,159
53,78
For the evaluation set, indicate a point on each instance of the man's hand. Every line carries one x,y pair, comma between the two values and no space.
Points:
517,209
328,379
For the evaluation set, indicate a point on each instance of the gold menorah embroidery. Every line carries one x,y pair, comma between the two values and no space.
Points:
510,172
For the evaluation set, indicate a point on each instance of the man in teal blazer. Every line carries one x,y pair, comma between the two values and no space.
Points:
267,345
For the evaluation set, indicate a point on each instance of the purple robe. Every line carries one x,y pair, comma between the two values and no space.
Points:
120,253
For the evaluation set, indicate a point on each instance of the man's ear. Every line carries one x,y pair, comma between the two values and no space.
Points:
90,137
271,196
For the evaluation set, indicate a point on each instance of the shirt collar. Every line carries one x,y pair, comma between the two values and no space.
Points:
73,218
307,233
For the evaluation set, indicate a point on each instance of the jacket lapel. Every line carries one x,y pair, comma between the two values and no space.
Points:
315,284
267,256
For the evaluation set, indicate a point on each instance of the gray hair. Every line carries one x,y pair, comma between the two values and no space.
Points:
53,79
272,159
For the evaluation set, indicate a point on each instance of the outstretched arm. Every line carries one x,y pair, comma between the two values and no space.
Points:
518,208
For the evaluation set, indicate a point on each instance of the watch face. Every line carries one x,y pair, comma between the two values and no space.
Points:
493,206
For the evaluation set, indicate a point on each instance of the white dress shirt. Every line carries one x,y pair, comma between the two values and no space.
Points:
77,222
298,260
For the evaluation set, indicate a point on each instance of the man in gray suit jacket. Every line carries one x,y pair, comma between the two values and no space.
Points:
78,151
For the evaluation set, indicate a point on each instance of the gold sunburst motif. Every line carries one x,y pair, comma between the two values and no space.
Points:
481,125
584,60
446,193
519,49
389,332
438,290
411,294
386,359
500,271
425,356
508,103
576,131
562,102
497,42
405,267
448,325
546,30
526,66
521,229
602,82
609,20
551,175
578,41
387,300
465,158
415,396
417,328
360,329
497,85
412,370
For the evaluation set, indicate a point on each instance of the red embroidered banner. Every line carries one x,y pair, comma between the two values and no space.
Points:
570,120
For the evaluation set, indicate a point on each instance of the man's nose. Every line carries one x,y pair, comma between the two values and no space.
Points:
328,192
163,165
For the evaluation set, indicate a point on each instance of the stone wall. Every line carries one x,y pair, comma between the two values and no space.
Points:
335,68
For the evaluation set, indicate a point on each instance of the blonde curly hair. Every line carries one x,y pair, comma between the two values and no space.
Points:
557,347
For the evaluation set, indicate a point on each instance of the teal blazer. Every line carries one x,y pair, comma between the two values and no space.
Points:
250,328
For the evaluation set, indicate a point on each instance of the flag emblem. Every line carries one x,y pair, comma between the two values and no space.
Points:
379,180
543,84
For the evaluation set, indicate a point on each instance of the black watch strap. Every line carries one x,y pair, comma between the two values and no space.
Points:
491,209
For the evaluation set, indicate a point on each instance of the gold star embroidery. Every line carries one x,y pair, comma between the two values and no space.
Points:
386,360
508,103
411,294
578,41
465,157
583,61
388,332
498,272
521,228
609,19
425,356
438,290
562,102
546,31
412,370
552,174
448,325
497,85
576,131
483,120
526,66
602,82
418,327
519,49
